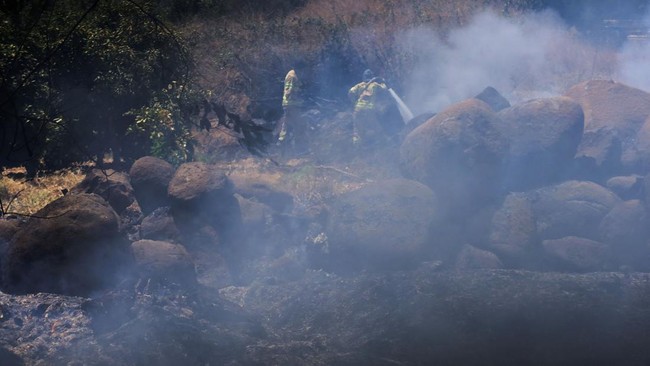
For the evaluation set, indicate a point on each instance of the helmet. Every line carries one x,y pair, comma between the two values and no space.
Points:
367,75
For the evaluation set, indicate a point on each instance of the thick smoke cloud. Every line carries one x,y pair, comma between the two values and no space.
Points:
516,56
634,58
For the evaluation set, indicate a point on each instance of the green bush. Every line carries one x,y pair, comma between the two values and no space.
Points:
71,72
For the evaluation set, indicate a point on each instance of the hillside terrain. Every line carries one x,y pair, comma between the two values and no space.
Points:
493,210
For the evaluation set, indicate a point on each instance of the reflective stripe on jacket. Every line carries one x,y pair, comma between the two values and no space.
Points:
292,90
367,95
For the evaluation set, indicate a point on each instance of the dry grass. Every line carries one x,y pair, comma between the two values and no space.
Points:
22,196
243,59
311,185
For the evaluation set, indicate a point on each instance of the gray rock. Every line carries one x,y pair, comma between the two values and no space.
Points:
159,225
202,203
577,254
195,182
459,153
543,135
384,224
209,219
627,187
218,145
150,177
599,155
8,228
111,185
71,246
513,234
614,110
472,258
572,208
525,220
493,98
163,261
252,189
625,229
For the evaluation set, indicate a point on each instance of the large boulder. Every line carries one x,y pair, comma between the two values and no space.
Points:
202,194
599,155
614,114
572,208
638,155
195,182
255,214
414,123
111,185
218,145
150,177
259,224
513,232
568,209
627,187
208,217
493,98
163,261
609,104
8,227
262,183
71,246
159,225
459,153
625,228
267,235
577,254
382,225
544,135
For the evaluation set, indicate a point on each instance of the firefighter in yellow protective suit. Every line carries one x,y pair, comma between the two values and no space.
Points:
370,98
293,128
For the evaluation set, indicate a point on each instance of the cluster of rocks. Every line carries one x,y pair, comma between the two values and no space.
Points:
552,184
549,184
154,222
208,262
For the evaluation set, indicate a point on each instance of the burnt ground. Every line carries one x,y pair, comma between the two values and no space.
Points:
421,317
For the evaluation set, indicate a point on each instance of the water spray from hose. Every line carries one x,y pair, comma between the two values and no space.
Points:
404,110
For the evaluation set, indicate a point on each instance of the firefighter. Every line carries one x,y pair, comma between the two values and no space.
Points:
293,128
370,98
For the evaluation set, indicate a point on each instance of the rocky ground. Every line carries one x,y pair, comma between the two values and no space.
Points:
417,317
484,234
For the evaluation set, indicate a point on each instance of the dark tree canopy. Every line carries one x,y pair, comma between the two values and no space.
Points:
81,78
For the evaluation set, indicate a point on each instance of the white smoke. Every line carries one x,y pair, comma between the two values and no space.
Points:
513,55
634,58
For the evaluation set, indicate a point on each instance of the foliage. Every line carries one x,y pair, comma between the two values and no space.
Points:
162,123
81,78
70,72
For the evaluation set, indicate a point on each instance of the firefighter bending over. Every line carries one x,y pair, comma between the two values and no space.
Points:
371,98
